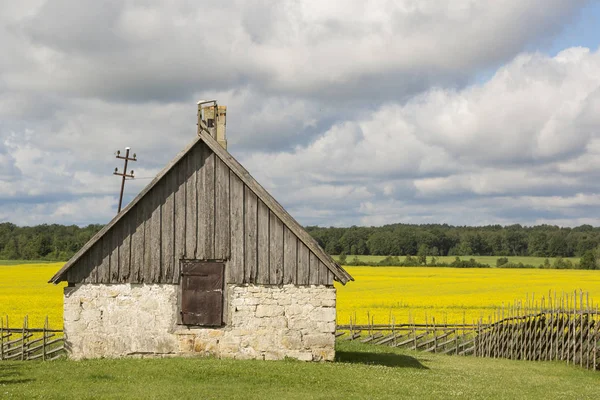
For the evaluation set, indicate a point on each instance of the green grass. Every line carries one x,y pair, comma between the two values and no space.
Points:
18,262
489,260
361,372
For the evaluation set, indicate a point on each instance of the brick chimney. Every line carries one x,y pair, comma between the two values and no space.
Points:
215,118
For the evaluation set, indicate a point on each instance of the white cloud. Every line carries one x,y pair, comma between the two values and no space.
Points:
351,112
531,129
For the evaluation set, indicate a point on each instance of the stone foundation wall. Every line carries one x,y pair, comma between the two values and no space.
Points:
263,322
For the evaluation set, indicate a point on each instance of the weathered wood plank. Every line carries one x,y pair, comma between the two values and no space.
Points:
251,235
95,261
206,203
81,271
290,256
191,205
222,229
303,264
125,228
323,273
235,267
147,264
313,273
168,228
275,250
180,217
87,270
104,267
137,243
263,244
273,205
115,238
155,233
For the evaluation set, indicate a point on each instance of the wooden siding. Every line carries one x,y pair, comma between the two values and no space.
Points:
200,210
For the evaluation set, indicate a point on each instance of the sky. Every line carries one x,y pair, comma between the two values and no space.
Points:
349,112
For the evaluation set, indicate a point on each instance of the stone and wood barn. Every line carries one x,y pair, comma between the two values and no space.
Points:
204,261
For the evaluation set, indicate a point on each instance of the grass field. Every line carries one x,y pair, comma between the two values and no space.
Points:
449,293
24,291
489,260
362,372
21,262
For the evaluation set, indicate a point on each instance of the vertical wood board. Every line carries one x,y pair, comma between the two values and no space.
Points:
180,218
290,256
191,205
104,266
125,228
313,273
222,229
155,266
275,250
137,243
263,244
168,228
251,235
206,202
235,267
115,239
303,264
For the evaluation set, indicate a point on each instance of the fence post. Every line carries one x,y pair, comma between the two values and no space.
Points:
2,339
23,339
595,340
434,337
44,339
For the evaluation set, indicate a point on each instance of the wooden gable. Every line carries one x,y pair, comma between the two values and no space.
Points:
203,206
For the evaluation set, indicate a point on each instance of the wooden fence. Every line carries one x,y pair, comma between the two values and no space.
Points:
564,328
25,343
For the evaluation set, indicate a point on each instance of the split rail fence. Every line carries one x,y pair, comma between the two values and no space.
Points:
565,328
25,343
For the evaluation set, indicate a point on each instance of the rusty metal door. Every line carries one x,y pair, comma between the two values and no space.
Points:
202,292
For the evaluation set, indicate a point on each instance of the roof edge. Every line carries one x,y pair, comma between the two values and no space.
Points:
339,273
57,277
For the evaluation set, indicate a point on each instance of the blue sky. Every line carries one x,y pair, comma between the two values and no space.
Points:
349,112
583,30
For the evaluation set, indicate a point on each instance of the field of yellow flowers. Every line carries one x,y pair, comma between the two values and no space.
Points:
449,294
24,291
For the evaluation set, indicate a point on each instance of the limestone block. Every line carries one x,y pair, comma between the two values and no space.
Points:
274,322
323,314
292,340
300,355
328,303
325,327
318,340
269,311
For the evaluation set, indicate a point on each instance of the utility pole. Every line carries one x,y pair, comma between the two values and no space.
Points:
124,174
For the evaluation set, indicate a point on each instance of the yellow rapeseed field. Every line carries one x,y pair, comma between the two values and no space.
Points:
449,293
443,293
24,291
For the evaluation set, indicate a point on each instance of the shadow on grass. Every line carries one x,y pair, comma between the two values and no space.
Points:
10,374
386,359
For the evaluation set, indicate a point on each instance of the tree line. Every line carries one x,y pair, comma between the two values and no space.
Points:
447,240
59,242
43,242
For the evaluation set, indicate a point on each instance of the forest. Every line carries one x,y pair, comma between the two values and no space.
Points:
448,240
43,242
59,242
